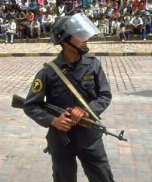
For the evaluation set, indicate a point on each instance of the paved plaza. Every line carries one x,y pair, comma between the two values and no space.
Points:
98,48
22,141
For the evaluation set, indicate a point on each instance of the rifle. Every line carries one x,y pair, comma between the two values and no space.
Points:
17,102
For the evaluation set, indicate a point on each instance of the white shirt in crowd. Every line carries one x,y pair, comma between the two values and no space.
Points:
136,21
61,9
12,27
49,19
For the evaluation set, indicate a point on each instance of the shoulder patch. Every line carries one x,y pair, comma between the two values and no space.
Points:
37,86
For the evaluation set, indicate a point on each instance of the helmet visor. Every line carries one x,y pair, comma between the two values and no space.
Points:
80,26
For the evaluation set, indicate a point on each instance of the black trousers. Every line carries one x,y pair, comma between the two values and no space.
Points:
93,159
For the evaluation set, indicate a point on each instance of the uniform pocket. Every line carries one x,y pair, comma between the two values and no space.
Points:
89,87
88,84
56,140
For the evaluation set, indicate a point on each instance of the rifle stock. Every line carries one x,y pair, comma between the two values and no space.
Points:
17,102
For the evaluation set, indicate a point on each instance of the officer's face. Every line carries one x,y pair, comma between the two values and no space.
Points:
78,42
73,47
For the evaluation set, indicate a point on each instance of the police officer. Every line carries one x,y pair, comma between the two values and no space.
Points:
87,75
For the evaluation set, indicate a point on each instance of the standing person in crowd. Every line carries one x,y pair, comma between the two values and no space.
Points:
115,26
25,25
35,28
3,28
103,26
11,31
147,21
72,33
20,17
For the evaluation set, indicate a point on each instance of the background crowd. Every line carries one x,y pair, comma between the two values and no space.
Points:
27,19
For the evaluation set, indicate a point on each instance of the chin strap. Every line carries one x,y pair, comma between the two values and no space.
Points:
81,51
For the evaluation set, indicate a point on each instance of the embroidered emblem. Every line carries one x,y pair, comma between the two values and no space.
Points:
37,86
88,77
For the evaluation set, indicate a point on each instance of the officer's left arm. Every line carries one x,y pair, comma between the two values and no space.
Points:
102,90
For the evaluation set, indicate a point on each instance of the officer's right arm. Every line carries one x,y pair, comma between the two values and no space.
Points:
34,100
34,109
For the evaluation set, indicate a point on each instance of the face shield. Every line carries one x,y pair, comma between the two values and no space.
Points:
80,26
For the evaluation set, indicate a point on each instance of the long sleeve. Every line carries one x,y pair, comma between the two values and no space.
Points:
35,98
102,90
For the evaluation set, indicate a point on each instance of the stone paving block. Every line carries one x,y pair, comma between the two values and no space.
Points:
143,176
4,178
21,175
130,179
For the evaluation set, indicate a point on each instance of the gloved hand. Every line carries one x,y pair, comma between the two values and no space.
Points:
77,113
63,122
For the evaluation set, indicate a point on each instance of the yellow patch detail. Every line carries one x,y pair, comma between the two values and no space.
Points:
88,77
37,86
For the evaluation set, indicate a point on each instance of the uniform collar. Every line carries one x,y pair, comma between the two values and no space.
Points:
60,61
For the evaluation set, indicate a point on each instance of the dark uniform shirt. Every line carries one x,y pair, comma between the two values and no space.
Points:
87,76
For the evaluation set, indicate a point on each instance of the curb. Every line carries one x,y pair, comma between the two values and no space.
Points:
121,54
91,54
47,40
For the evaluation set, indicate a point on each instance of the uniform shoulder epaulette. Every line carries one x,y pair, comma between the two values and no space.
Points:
91,56
46,64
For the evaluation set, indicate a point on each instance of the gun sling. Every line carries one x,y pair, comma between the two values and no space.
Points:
73,89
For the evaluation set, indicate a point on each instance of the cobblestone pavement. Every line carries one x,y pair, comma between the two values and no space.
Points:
22,140
94,47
